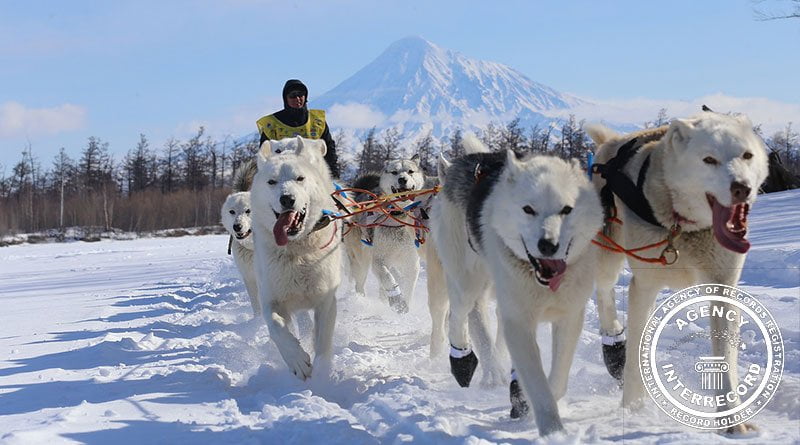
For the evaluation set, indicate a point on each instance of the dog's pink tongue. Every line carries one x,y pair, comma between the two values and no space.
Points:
282,225
730,226
557,269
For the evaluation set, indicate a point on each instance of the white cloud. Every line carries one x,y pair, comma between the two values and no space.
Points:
353,115
773,115
236,122
18,120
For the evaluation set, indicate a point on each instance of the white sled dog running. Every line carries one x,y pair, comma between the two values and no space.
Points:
394,250
525,226
388,248
297,249
236,220
699,174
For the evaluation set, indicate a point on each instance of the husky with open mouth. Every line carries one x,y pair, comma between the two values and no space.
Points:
390,248
298,259
235,216
700,174
523,227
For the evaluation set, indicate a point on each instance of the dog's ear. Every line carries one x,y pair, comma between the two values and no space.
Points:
266,148
263,154
441,167
513,164
679,132
744,120
311,147
415,158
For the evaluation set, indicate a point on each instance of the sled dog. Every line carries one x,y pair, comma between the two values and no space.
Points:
298,259
525,226
390,248
236,220
699,175
394,252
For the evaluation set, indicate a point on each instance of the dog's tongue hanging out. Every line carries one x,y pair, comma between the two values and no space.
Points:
282,225
730,225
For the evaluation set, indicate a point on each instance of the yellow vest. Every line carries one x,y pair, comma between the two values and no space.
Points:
276,130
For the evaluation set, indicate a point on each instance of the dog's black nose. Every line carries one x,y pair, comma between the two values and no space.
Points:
739,192
547,247
402,180
287,201
237,227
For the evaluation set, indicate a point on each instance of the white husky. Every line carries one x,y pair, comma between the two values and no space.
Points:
392,254
525,226
700,174
298,259
391,249
236,219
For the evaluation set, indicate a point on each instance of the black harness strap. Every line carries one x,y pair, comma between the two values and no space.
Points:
618,183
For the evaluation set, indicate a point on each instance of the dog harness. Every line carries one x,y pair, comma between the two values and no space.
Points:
618,183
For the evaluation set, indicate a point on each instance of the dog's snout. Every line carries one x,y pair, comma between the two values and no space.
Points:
287,201
237,227
402,180
739,192
547,247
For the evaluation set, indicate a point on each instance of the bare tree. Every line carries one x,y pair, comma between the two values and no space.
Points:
425,148
193,155
137,166
169,166
660,120
370,159
63,168
511,137
455,145
389,145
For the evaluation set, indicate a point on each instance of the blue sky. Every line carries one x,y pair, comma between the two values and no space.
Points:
70,70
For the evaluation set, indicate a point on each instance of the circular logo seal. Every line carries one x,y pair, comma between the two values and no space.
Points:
711,356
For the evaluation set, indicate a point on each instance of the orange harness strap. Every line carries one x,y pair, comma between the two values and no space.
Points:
669,255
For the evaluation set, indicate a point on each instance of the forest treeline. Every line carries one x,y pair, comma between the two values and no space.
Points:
183,183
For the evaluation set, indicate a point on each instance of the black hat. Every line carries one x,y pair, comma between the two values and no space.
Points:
294,85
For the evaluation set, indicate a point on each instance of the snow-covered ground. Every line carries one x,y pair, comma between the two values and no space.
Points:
151,341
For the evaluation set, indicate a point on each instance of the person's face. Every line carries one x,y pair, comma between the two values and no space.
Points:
296,99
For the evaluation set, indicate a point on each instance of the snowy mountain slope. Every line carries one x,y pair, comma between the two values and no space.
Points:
150,341
418,87
416,77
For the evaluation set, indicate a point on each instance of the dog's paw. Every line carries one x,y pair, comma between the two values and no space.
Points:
463,368
398,304
519,407
299,363
614,358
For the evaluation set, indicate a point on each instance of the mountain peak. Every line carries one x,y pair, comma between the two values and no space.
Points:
415,82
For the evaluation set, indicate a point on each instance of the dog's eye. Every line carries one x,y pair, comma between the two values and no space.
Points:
566,210
529,210
231,212
747,155
710,160
411,172
247,211
272,182
278,150
394,172
301,178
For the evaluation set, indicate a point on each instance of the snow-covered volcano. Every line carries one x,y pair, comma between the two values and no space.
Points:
416,85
